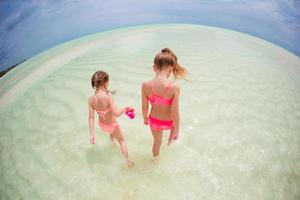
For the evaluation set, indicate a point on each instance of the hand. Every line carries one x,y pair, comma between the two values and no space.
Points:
130,112
146,120
92,140
128,108
173,136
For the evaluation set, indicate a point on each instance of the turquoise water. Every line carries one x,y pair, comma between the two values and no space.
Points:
240,113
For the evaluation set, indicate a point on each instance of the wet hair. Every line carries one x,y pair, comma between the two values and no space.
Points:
166,58
99,79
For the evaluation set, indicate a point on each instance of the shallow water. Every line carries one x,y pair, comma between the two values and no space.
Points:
240,113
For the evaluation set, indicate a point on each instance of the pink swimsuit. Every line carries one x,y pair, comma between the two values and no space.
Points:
110,128
154,99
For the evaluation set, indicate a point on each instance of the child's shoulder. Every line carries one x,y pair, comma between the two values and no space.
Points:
91,98
145,84
174,86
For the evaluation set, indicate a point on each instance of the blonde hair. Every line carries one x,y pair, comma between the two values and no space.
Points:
167,57
99,79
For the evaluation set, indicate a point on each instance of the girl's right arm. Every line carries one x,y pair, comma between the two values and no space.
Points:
91,121
145,104
116,112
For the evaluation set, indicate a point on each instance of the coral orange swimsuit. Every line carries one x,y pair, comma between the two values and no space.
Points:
110,128
154,99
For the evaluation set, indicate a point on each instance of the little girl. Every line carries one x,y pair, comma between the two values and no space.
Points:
163,96
103,103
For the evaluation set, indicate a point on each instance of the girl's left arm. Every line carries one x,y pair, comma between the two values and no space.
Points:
91,121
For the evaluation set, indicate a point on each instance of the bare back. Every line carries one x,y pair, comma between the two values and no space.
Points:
100,103
165,90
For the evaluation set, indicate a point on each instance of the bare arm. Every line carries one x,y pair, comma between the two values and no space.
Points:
115,110
91,121
145,104
175,109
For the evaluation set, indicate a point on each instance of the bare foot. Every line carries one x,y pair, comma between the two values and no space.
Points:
92,140
129,163
155,159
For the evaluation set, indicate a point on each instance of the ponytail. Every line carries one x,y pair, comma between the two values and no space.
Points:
179,72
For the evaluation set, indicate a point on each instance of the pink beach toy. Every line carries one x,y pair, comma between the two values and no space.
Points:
130,113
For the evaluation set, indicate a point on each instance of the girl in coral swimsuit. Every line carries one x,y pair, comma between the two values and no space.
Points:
103,103
163,95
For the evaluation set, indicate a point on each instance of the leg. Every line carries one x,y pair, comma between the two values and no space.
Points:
112,139
119,136
157,136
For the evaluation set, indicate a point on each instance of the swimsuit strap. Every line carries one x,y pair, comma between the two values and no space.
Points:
167,88
165,91
102,113
151,87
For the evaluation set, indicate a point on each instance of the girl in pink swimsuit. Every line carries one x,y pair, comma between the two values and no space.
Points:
103,103
163,95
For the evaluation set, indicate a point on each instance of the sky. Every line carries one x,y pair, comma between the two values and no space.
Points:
32,26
